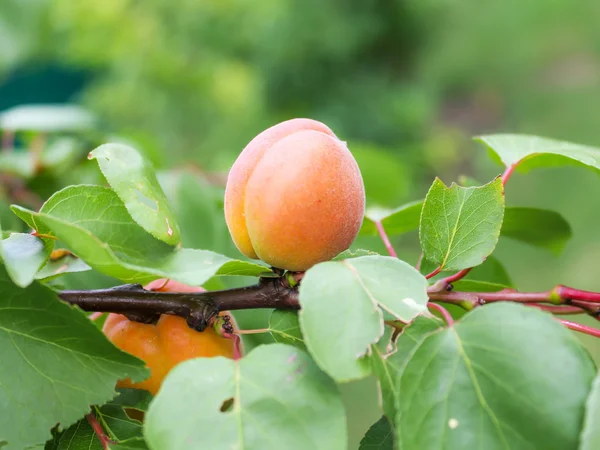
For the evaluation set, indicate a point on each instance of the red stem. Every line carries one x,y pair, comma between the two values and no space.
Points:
104,440
560,295
434,273
443,311
576,294
385,239
237,344
456,277
508,172
581,328
559,309
508,295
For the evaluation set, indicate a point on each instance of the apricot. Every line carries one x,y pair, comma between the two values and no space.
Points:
166,344
295,196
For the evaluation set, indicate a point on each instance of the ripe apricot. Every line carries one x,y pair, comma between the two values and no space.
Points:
295,196
166,344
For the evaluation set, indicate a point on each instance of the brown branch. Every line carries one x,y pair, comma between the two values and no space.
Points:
201,308
198,308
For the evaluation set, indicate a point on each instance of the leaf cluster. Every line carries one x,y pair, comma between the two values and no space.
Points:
501,376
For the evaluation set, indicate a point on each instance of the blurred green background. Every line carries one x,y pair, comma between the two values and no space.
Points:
405,82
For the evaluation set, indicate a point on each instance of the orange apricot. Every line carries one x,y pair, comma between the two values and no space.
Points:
295,196
165,344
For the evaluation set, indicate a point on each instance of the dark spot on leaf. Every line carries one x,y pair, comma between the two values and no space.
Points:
227,405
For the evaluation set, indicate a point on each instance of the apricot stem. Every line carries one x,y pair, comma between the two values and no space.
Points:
508,172
237,345
443,311
258,331
434,273
386,240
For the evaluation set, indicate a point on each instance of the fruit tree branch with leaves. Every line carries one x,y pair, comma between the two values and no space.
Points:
338,315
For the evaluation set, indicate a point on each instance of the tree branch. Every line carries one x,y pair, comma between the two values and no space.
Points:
560,295
201,308
198,308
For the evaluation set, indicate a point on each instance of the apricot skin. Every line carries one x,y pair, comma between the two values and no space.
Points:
166,344
295,196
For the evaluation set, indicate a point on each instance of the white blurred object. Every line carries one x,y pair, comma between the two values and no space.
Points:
47,118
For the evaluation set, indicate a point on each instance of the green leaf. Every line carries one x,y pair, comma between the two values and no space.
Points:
23,255
494,380
379,437
273,398
133,178
46,118
62,266
132,398
349,254
387,366
79,436
590,436
96,226
55,363
397,221
538,227
28,217
460,226
532,151
285,328
131,444
342,305
114,420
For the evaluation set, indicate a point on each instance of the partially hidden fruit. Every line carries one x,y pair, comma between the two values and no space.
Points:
166,344
295,196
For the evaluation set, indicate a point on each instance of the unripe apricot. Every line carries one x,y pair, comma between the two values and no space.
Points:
166,344
295,196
